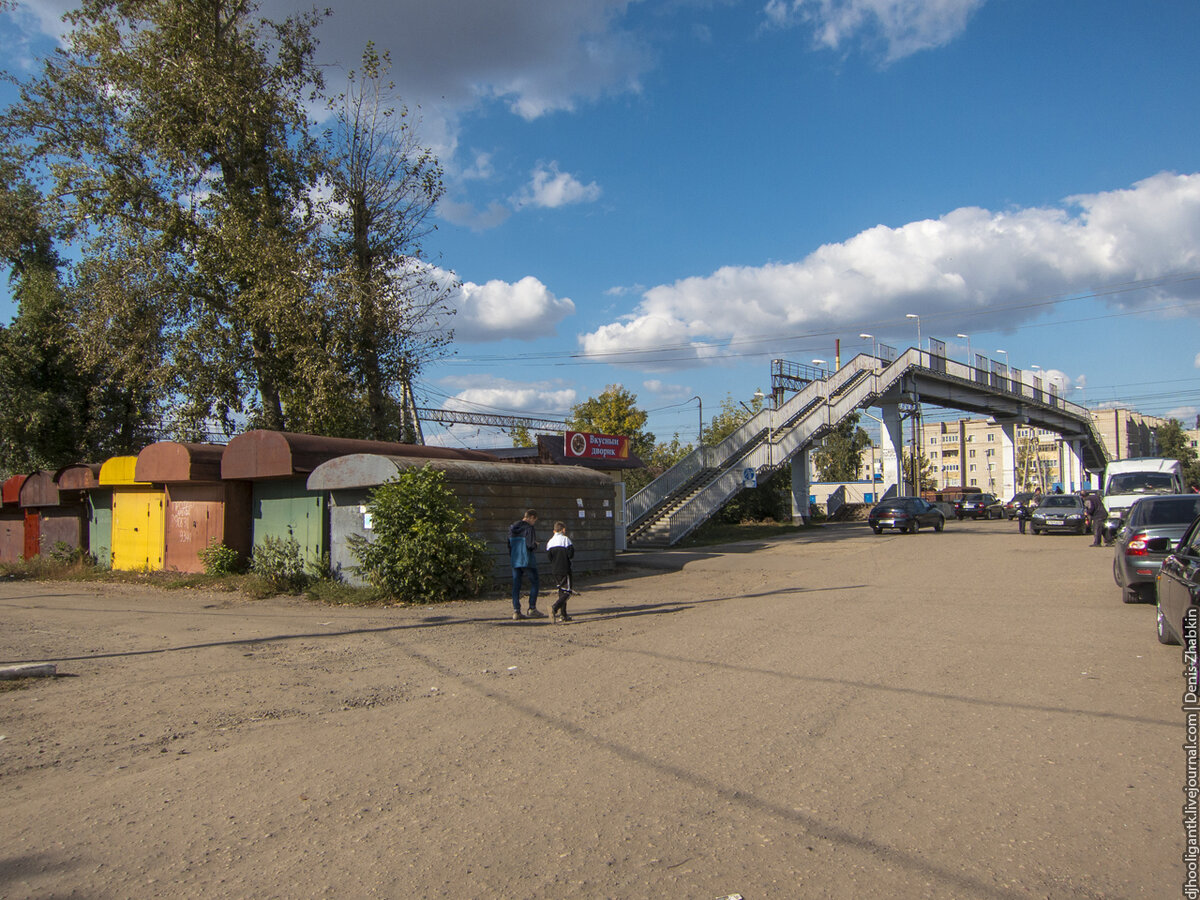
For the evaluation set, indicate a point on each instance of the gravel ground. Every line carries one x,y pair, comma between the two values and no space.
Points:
967,714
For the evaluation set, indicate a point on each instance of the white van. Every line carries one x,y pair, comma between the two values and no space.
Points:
1126,480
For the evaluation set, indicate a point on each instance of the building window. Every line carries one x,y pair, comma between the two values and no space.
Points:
991,437
971,454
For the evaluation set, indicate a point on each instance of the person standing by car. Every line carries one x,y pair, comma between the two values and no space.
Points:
1095,506
1023,514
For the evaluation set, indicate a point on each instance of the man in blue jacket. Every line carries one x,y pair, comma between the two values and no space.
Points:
522,542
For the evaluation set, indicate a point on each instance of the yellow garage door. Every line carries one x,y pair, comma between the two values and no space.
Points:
137,529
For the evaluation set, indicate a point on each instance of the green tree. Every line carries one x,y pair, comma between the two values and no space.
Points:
732,416
1174,443
771,498
59,405
616,412
924,472
422,551
839,457
180,129
389,309
662,456
521,437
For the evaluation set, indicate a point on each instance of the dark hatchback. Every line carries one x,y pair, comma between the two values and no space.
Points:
978,506
1178,588
1060,512
909,514
1152,528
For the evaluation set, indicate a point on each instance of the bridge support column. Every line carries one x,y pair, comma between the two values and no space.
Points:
1073,450
1008,462
801,486
891,443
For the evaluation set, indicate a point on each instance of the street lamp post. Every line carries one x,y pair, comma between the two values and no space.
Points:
770,430
700,433
871,338
918,318
1007,380
916,447
820,363
967,338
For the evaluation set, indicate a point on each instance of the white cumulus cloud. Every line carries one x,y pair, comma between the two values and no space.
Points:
903,27
549,188
525,310
970,262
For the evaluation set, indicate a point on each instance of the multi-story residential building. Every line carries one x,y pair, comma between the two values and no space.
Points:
970,453
1126,433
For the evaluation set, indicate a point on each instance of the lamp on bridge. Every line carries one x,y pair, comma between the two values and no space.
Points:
967,338
820,364
918,318
871,338
916,422
700,433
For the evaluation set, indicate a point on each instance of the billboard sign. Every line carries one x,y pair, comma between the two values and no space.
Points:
584,445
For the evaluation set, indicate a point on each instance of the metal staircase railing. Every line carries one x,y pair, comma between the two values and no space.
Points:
772,437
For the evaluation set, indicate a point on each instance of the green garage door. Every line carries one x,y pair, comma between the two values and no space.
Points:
284,509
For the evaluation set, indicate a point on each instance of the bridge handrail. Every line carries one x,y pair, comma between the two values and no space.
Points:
751,431
772,436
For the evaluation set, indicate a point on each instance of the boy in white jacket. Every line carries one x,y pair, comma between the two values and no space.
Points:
560,550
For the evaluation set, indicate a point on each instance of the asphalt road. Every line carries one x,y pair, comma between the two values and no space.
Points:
967,714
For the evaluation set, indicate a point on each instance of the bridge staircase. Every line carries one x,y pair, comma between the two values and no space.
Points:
692,491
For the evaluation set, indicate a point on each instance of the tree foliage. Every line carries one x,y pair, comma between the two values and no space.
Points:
924,472
839,457
1174,443
390,308
422,550
616,412
167,147
732,416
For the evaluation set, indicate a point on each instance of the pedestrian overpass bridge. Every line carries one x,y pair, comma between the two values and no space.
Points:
689,493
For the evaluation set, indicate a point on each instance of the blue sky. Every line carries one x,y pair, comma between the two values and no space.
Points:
667,194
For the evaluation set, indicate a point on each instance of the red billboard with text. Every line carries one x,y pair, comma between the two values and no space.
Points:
583,445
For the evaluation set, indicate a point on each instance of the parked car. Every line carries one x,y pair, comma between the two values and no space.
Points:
1178,588
905,514
1060,512
1019,502
1152,528
978,506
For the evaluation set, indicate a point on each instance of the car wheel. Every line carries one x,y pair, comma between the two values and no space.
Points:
939,524
1164,633
877,529
958,516
1034,529
1131,594
1117,574
914,526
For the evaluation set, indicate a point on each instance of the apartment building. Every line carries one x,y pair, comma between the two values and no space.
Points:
1127,434
971,453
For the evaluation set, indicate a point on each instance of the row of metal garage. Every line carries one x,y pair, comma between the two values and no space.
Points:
161,508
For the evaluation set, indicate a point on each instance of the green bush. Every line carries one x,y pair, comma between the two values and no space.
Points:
422,550
220,560
280,563
66,555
